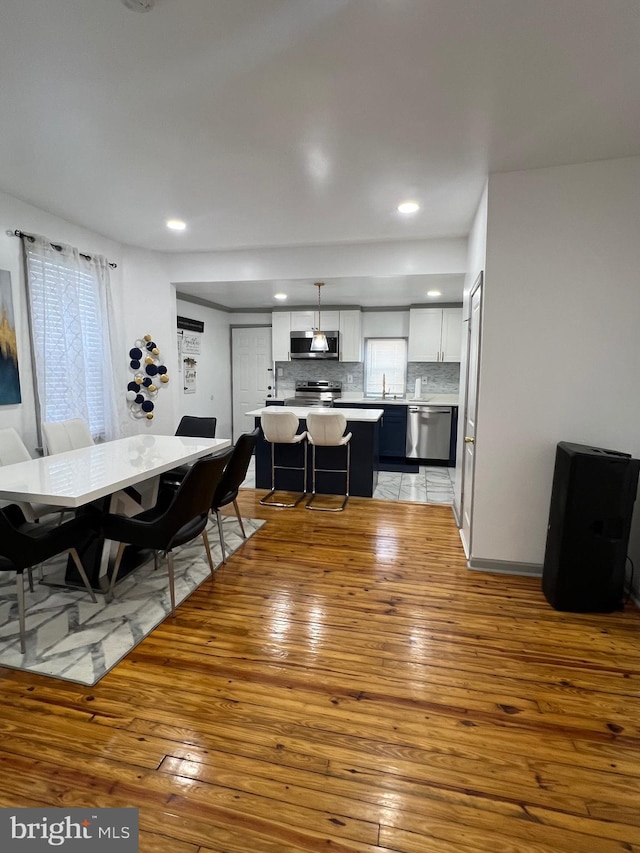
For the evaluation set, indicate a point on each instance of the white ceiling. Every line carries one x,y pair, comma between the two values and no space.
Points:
302,122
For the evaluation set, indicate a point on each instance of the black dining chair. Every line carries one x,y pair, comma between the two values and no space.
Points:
196,427
170,524
227,489
24,545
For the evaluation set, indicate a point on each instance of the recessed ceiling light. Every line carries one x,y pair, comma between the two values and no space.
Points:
279,295
434,293
176,224
408,207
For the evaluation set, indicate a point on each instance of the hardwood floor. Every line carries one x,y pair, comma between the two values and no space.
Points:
346,684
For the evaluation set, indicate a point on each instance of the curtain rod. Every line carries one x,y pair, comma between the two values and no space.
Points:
57,247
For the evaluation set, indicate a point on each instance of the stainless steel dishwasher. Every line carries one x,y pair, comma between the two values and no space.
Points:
428,432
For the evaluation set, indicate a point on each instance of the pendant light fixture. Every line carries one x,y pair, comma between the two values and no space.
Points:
319,340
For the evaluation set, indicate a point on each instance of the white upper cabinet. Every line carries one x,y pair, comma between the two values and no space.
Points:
350,335
280,335
451,334
435,334
302,321
305,321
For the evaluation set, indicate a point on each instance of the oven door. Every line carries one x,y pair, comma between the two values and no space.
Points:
300,345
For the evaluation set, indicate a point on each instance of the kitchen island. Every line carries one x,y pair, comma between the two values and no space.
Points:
364,426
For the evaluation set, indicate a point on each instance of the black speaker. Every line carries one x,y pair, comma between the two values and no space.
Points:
589,521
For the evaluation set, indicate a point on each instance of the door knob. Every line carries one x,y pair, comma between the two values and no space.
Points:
469,440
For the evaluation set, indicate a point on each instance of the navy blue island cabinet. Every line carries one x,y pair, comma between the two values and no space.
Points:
393,427
365,452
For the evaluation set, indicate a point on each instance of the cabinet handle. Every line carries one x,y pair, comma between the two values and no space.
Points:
469,440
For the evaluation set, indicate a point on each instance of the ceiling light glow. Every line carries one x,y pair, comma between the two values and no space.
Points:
434,293
408,207
176,224
279,295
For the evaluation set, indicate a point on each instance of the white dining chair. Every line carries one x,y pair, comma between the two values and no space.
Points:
61,436
13,450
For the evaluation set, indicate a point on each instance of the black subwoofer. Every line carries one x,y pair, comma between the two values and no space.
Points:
589,521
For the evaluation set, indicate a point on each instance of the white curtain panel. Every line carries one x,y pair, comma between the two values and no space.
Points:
73,336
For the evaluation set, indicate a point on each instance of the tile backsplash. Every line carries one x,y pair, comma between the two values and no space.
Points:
437,377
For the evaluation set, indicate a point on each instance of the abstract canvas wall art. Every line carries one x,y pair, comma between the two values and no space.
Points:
9,376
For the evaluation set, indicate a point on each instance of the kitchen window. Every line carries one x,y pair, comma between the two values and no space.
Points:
385,357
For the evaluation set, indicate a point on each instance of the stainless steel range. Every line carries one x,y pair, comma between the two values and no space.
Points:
312,392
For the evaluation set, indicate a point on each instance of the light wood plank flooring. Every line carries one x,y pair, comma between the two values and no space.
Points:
346,684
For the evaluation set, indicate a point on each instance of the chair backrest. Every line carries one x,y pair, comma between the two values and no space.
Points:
66,435
12,447
236,469
279,427
197,427
193,498
326,428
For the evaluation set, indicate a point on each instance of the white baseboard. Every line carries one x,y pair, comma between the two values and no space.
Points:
505,567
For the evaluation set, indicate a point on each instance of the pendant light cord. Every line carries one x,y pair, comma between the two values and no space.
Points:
319,285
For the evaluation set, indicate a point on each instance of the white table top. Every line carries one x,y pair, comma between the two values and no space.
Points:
74,478
370,416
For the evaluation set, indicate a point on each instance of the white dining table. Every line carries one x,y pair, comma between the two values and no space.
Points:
78,477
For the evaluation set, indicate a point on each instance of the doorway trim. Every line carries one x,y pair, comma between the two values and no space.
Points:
478,284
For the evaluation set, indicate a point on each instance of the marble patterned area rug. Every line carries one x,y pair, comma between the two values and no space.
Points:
71,638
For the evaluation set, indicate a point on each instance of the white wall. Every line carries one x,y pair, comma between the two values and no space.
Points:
561,341
213,382
476,259
150,308
143,296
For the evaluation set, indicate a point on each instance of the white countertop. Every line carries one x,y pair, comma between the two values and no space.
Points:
76,477
425,400
357,415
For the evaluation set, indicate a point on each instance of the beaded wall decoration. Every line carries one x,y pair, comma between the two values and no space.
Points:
149,375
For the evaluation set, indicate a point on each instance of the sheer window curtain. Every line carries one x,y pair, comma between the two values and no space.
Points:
73,335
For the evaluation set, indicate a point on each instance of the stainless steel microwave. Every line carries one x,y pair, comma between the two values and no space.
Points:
300,345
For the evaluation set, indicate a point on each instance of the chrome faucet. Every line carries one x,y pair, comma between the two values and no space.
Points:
384,387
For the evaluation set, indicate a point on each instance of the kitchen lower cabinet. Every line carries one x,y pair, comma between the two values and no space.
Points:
393,427
393,432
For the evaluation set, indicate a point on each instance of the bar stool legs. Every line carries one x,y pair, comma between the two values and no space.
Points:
266,499
280,427
344,471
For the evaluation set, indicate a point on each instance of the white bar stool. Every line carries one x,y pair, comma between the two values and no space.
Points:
326,429
280,427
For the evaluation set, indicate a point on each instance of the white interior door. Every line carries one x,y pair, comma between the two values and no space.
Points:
469,420
251,373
